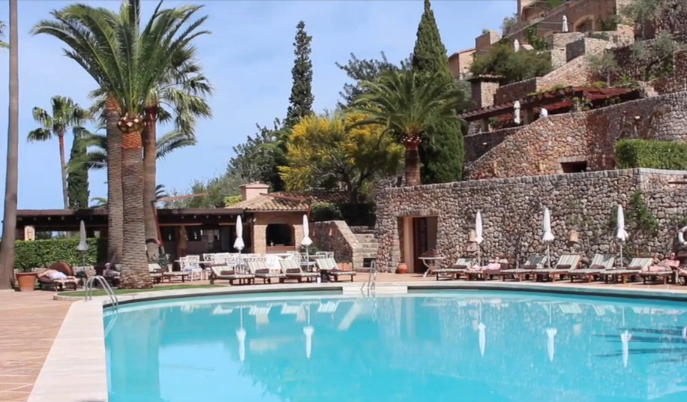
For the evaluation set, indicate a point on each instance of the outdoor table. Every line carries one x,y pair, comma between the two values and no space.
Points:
170,275
430,263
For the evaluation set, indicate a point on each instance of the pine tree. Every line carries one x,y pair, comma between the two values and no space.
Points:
301,98
441,154
77,180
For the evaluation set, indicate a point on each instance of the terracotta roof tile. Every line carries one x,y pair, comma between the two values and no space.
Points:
297,201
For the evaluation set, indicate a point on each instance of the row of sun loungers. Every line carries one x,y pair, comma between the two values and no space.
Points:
601,267
290,270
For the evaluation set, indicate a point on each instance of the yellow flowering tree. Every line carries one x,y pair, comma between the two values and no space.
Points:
335,151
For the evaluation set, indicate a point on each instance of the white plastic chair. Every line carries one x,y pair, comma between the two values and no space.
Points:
191,265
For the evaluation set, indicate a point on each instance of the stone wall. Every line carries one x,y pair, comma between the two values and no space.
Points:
512,213
678,81
540,147
482,90
459,63
484,41
585,46
577,11
575,73
336,236
478,144
517,90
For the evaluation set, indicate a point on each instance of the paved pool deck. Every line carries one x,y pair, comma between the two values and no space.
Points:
53,350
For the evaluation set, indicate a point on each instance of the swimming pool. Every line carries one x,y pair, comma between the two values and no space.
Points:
439,346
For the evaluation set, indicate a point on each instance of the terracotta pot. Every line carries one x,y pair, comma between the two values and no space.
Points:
26,281
402,268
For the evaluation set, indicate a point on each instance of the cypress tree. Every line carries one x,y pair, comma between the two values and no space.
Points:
301,98
77,180
441,154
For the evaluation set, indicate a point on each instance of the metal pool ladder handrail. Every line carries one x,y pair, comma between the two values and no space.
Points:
106,286
371,283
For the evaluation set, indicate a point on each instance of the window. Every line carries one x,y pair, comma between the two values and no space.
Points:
574,167
279,235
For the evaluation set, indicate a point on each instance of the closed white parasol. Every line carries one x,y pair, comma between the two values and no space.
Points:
622,234
238,244
478,236
83,244
547,238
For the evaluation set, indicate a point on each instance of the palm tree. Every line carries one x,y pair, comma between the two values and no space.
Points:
178,98
160,193
407,104
65,114
3,45
9,226
96,157
128,62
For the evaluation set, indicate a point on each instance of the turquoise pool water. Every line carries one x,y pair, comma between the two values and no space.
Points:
444,346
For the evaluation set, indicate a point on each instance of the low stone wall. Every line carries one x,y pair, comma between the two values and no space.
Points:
540,147
585,46
575,73
678,81
517,90
479,144
512,213
336,236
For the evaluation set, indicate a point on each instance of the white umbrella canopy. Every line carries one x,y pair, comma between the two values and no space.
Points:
478,235
238,244
548,234
622,234
306,241
83,245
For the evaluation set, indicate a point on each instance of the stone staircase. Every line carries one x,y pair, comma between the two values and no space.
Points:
368,244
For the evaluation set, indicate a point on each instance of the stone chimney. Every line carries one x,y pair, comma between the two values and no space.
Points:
483,89
253,190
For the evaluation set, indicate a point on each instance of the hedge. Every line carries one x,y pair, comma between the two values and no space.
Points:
43,253
651,154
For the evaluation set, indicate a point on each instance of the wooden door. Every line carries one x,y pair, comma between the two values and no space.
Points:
420,243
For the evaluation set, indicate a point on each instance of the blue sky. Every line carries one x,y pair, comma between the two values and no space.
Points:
248,58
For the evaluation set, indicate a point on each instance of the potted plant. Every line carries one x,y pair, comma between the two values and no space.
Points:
402,268
26,280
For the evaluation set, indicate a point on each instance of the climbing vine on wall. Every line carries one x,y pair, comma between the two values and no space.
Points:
640,215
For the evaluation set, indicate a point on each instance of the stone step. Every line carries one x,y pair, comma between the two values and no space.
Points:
369,245
364,238
361,290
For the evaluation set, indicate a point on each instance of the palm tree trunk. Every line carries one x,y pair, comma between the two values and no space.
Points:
63,165
115,208
135,274
412,163
149,183
9,229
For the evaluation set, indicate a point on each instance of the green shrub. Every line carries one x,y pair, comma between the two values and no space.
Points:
650,154
43,253
325,212
231,200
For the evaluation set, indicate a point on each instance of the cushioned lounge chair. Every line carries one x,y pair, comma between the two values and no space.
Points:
476,272
636,266
329,268
259,268
292,270
60,283
460,266
531,266
662,275
565,264
600,263
219,272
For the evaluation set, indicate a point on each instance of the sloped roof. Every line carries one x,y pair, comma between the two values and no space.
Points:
296,201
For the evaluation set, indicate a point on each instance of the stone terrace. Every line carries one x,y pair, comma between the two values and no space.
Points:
30,322
512,212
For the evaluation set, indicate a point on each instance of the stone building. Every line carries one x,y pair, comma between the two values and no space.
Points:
539,18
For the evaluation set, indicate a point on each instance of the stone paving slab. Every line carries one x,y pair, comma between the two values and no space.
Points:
29,322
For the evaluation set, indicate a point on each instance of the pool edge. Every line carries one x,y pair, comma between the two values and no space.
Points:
80,342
